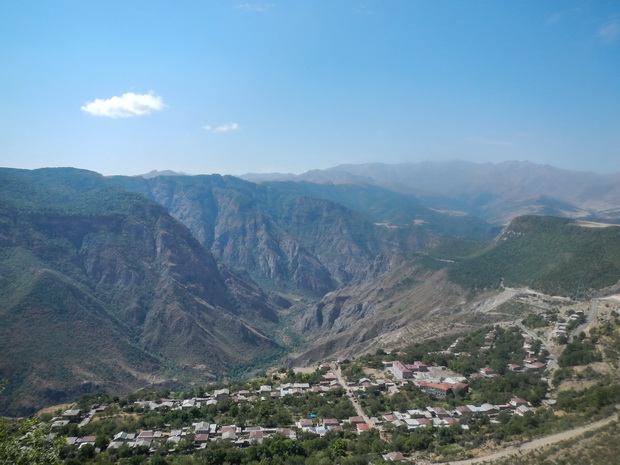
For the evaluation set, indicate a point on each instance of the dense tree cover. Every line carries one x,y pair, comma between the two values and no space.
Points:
376,403
347,448
534,321
27,442
544,253
579,353
591,400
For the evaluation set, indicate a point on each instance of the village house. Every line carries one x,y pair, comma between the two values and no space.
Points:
72,414
488,372
414,423
439,390
514,367
287,433
517,402
438,412
204,427
229,432
400,371
462,411
304,423
361,427
394,457
523,410
221,394
356,420
330,422
257,436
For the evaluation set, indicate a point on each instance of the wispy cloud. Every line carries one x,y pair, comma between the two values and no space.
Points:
125,106
254,7
609,32
228,127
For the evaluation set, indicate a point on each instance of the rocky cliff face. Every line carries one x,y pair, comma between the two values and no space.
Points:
379,314
112,289
286,240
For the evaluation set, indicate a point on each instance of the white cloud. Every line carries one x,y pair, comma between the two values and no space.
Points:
228,127
609,31
254,7
125,106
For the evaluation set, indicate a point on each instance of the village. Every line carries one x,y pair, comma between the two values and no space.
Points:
438,383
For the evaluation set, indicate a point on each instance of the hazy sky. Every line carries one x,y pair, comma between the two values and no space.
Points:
127,86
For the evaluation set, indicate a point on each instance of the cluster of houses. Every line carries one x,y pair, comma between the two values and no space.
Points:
435,381
330,382
439,417
201,433
432,380
489,340
241,436
561,328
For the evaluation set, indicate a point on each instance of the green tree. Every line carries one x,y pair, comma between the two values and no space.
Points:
28,443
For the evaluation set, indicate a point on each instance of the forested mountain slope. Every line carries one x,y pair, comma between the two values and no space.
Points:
103,290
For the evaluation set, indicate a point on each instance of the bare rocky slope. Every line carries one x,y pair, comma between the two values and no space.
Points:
286,240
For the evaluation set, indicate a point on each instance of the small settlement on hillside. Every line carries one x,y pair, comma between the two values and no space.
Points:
436,381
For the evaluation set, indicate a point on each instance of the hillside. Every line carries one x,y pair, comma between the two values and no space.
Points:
498,394
286,238
552,255
103,290
458,285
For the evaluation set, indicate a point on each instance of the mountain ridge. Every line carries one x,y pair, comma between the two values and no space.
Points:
183,279
155,295
484,189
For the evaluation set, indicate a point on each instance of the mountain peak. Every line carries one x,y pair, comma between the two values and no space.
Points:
156,173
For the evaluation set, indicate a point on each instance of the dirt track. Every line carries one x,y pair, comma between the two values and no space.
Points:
537,443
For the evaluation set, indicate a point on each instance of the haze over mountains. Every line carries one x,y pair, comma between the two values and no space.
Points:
495,192
116,283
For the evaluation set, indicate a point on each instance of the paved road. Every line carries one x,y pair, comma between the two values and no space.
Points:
358,408
589,319
552,362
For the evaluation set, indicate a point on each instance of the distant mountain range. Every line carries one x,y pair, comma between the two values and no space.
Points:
494,192
116,283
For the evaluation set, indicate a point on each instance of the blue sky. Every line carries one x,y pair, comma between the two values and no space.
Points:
127,86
